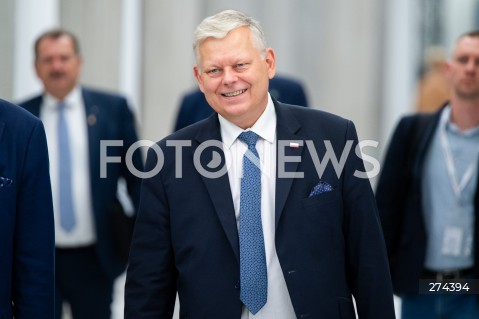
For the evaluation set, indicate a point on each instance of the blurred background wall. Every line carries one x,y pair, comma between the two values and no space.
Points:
361,59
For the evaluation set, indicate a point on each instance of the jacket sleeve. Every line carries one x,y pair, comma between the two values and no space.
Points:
34,246
130,137
393,184
150,288
367,265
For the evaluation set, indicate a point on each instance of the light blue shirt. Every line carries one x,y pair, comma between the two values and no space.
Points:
449,220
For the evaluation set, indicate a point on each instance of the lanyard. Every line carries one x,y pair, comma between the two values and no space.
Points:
458,187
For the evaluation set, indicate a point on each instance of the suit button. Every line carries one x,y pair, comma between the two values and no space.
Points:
237,285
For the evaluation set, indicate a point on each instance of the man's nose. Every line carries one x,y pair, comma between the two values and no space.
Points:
471,65
229,76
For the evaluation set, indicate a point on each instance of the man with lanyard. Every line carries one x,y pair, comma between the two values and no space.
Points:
428,198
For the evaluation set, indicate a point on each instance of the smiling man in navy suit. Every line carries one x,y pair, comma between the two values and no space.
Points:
27,236
274,237
90,252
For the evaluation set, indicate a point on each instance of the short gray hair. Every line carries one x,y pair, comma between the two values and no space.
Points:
220,24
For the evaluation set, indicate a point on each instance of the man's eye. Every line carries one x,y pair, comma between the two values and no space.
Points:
241,66
213,71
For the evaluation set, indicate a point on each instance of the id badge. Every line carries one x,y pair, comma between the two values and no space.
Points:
452,241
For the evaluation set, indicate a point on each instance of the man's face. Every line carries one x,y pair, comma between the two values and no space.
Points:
234,76
58,66
463,69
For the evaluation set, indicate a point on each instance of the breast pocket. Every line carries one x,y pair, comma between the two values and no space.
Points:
324,210
328,198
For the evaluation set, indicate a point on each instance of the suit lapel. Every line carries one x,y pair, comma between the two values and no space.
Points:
219,188
93,135
287,127
427,134
91,116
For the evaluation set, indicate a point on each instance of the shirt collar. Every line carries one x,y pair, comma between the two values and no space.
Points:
73,98
265,126
452,127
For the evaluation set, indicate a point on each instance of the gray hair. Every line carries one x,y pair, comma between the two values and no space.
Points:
220,24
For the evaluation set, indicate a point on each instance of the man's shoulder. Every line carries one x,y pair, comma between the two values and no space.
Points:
418,115
111,103
194,94
193,130
18,124
309,115
31,101
12,112
280,80
417,121
102,94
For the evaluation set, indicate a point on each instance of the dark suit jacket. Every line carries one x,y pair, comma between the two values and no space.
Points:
108,118
329,246
27,235
399,198
194,106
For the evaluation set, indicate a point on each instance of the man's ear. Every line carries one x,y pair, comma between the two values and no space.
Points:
270,59
197,74
37,68
447,69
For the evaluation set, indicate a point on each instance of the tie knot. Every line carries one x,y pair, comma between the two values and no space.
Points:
249,138
61,105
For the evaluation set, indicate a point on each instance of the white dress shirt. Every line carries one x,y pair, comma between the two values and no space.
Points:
278,304
83,233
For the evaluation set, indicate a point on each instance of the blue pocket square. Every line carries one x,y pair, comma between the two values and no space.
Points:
5,182
321,187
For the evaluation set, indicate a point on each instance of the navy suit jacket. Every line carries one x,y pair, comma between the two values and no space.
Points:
399,198
108,118
27,238
194,106
330,246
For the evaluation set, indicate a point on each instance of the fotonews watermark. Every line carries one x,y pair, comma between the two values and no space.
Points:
218,165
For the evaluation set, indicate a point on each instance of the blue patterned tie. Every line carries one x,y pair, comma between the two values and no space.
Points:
67,213
253,275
